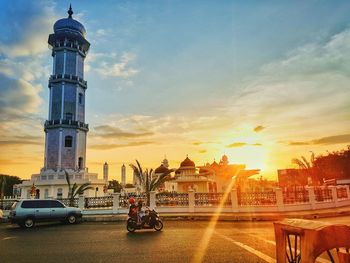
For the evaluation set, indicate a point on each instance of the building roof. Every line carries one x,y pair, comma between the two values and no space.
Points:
187,163
69,24
161,169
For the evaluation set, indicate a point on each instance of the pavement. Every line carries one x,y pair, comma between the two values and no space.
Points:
252,216
179,241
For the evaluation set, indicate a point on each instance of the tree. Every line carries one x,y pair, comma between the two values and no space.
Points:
74,190
334,165
6,184
307,167
148,179
115,185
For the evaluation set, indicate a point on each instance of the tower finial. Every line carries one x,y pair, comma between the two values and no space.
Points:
70,11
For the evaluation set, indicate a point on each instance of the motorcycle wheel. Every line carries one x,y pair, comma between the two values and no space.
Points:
130,226
158,225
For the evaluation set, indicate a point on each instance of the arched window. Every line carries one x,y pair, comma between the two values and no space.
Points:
59,193
69,116
80,98
80,163
68,140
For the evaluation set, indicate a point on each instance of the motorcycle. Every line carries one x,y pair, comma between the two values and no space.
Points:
150,221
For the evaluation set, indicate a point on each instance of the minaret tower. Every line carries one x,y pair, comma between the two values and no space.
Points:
123,175
105,172
65,129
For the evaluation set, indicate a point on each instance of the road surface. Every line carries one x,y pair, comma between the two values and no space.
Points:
180,241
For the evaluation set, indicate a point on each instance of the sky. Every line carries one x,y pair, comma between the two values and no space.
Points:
260,81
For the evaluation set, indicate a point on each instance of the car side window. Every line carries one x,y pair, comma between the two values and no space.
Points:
43,204
56,204
29,204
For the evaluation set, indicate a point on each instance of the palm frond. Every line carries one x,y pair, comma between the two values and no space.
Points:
306,162
81,189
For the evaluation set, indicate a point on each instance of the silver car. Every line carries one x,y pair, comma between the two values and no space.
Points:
26,213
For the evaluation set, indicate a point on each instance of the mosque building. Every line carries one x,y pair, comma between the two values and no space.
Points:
66,129
226,174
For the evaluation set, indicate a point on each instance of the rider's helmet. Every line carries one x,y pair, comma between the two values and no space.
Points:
132,201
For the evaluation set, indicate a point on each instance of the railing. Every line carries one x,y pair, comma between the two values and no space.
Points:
5,204
78,124
124,199
295,195
171,199
99,202
309,198
342,193
66,201
256,198
323,194
69,78
212,199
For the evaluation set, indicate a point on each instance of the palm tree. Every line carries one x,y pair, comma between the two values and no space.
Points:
307,166
74,190
2,189
148,180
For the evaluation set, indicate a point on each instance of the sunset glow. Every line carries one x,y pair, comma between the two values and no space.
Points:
183,79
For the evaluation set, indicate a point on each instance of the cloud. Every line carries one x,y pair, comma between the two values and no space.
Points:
30,24
114,146
241,144
202,151
19,142
108,131
259,128
307,88
122,68
18,96
336,139
236,144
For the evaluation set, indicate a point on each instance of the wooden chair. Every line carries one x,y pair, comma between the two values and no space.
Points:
308,239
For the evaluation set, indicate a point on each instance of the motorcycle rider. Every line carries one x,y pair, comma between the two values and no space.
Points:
133,208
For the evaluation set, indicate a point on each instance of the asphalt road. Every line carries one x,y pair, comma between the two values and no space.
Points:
180,241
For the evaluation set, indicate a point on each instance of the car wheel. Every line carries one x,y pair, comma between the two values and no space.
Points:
72,219
29,222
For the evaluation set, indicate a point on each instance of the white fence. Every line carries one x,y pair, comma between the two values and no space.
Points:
278,200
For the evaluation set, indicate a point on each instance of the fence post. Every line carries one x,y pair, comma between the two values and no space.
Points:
81,202
191,201
116,197
312,198
234,200
279,198
334,195
152,199
347,187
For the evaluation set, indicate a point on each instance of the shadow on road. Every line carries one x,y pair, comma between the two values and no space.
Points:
37,227
143,234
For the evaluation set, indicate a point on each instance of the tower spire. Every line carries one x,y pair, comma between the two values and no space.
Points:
70,11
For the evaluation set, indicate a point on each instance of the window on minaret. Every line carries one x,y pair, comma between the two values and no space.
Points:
69,116
68,141
80,98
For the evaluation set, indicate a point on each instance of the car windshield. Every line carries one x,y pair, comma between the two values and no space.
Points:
13,206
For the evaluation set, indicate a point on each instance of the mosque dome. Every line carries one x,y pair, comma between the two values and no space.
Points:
161,169
69,24
187,163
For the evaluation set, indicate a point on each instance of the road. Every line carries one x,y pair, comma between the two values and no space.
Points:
180,241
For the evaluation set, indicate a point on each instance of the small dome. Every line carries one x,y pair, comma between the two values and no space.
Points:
224,158
187,163
69,24
161,169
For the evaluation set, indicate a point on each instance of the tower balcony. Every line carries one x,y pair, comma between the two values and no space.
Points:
54,124
68,78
